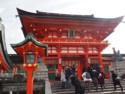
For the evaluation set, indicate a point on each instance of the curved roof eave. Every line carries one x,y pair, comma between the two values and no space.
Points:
30,37
4,49
68,16
3,60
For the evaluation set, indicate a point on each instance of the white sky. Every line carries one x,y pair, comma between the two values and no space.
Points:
100,9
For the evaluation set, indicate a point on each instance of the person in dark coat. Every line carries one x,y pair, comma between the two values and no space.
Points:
101,81
73,70
95,78
68,73
79,89
89,70
116,81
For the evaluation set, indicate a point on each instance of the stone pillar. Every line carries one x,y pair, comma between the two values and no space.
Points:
42,72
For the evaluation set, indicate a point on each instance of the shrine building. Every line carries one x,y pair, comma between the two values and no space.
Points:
72,39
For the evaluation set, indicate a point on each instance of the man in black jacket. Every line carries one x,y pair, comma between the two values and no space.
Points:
116,81
79,89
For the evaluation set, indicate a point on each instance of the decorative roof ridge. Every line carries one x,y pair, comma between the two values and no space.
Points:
30,37
62,14
22,12
69,16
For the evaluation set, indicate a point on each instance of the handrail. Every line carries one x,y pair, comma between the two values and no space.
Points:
48,89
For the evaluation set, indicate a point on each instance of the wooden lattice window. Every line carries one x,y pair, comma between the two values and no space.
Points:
71,33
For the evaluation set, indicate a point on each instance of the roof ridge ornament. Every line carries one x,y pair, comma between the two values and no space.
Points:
30,36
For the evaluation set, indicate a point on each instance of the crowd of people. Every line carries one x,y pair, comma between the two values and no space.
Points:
92,74
69,77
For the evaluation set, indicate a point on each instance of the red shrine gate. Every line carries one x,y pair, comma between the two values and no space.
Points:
72,39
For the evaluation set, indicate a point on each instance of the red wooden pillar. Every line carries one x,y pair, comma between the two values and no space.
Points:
29,85
86,58
59,63
100,61
83,60
1,71
29,81
79,69
15,70
59,68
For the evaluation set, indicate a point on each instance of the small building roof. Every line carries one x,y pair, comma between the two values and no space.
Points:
29,38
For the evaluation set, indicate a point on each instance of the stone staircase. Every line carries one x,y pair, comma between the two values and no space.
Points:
109,88
118,67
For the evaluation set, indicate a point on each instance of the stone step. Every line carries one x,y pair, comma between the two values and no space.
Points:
109,88
106,82
106,85
91,90
92,86
103,92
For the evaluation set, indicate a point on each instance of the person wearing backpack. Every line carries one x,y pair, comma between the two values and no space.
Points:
87,79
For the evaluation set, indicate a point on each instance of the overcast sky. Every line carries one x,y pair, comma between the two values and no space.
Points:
100,9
